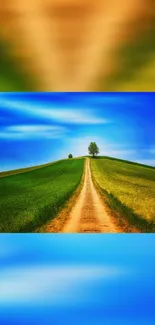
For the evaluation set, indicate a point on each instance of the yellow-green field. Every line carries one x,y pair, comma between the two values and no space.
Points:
130,188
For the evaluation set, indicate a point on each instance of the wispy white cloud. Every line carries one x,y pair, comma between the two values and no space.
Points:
33,128
73,116
60,115
51,284
32,131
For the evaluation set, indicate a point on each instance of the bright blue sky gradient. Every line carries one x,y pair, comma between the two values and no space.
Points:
77,279
37,128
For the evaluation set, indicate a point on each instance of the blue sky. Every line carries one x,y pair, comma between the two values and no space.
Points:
77,279
38,127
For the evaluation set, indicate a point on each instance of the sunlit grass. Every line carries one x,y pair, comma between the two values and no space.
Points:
130,185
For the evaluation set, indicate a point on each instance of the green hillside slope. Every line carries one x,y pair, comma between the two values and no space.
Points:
30,199
129,189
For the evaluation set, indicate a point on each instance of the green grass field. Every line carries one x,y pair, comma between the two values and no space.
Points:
23,170
30,199
129,189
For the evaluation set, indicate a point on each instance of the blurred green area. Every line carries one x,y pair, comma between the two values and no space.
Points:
134,67
12,76
135,62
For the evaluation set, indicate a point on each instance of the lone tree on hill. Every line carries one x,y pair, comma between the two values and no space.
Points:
93,149
70,156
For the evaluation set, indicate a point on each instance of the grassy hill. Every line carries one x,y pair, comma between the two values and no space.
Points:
24,170
30,198
129,190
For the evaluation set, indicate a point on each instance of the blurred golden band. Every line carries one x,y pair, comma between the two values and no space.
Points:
77,45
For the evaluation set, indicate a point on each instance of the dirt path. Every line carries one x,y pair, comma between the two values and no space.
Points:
89,215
